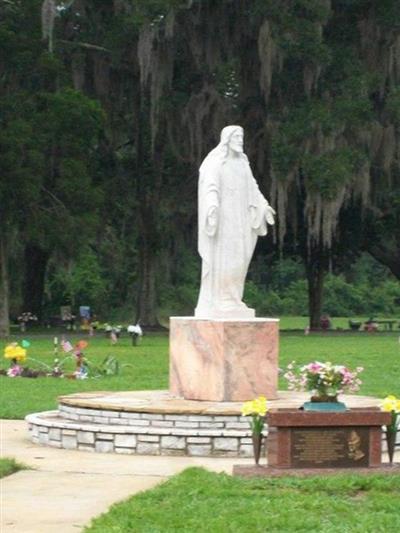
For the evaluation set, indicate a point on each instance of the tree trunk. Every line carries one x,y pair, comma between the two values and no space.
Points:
4,290
35,271
150,168
315,268
146,312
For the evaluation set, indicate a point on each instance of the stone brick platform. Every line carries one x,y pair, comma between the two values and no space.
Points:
155,423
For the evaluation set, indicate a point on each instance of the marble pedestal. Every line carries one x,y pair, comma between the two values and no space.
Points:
223,360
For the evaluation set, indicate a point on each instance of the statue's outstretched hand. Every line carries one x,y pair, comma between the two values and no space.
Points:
269,215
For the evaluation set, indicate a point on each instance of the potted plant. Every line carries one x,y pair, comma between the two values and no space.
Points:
257,410
391,404
325,381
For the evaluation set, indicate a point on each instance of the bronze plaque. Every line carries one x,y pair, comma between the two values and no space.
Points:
329,447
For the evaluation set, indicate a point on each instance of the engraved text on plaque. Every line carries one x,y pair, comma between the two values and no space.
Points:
329,447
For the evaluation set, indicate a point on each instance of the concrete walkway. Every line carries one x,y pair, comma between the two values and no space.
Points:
66,489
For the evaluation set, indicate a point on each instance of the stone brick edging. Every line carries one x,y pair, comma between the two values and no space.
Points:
155,423
142,433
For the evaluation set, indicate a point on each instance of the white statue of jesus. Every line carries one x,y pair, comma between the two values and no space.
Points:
232,214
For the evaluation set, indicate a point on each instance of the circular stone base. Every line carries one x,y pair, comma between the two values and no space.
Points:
163,402
156,423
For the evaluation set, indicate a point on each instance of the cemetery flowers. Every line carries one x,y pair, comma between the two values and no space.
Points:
391,404
324,380
17,354
256,409
61,366
135,330
26,318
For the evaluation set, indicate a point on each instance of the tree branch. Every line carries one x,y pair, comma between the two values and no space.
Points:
88,46
54,197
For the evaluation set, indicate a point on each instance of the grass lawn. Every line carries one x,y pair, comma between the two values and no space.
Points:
301,322
378,353
200,501
9,466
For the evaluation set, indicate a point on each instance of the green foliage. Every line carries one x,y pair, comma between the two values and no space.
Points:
180,296
284,272
49,134
79,178
79,283
343,299
388,13
110,366
305,43
291,301
365,289
289,16
349,108
73,120
45,141
21,162
326,173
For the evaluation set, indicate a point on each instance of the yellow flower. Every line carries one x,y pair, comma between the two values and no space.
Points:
255,407
20,354
390,403
260,405
247,408
9,351
13,351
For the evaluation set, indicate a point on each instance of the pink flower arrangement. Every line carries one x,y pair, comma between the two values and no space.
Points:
14,371
323,379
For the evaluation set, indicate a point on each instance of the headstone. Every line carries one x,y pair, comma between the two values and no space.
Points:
312,439
310,442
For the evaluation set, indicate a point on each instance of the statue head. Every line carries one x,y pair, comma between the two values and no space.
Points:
232,139
231,143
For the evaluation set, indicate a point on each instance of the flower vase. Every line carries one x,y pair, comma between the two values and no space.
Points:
324,403
391,443
257,442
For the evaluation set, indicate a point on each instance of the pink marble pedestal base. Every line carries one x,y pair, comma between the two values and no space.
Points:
223,360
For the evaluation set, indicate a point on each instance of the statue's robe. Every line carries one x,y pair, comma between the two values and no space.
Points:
226,244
